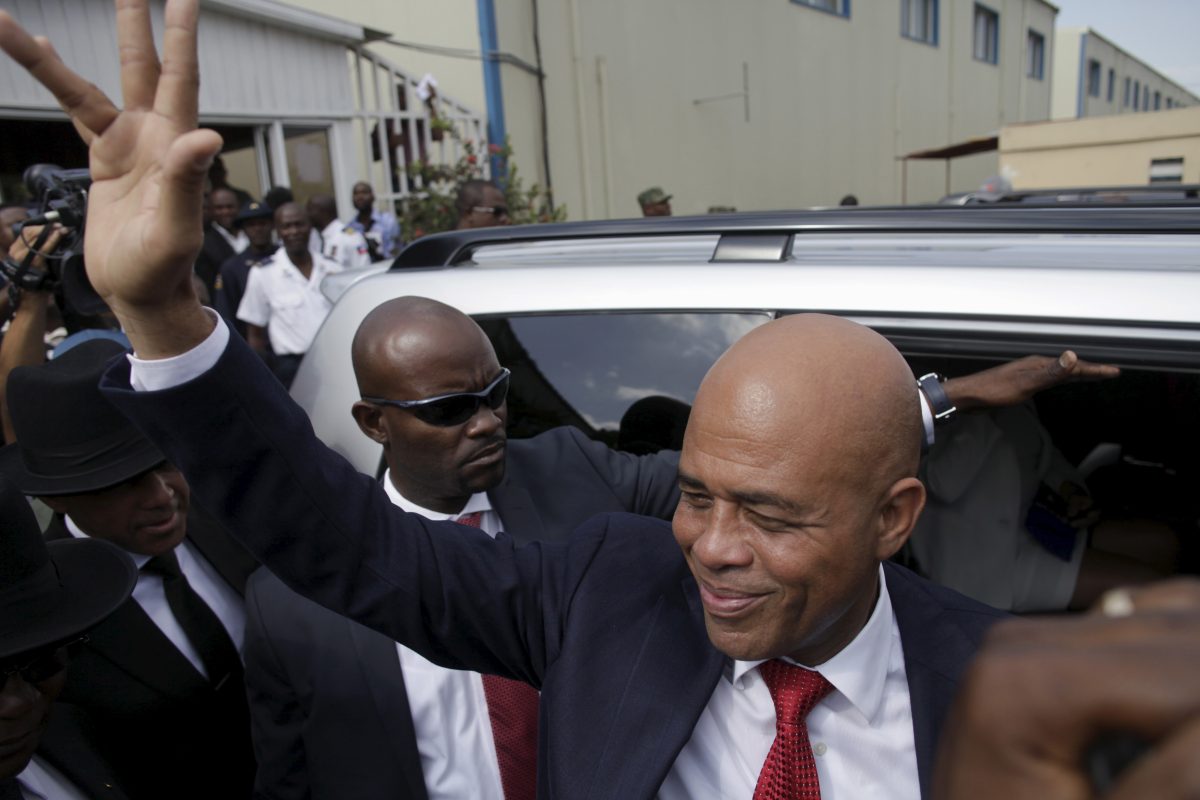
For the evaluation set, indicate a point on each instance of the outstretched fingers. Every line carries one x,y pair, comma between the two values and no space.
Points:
178,91
139,60
184,170
83,102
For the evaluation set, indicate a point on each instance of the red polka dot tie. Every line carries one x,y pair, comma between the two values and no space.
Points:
790,773
513,711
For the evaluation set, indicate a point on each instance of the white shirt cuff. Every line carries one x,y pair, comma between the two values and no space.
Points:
163,373
926,418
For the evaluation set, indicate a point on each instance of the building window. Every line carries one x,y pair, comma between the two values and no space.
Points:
919,20
1170,104
1157,100
839,7
1093,78
1137,94
1035,52
1128,90
1112,85
987,35
1146,99
1166,170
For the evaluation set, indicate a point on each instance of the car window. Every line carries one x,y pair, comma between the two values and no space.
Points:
590,370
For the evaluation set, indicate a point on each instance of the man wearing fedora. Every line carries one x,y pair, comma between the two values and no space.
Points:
257,221
50,595
161,679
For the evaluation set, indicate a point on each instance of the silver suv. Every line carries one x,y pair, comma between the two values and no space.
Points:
609,326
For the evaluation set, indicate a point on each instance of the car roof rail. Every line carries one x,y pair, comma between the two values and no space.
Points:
763,235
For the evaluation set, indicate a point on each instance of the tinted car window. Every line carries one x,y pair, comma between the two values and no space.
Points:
626,379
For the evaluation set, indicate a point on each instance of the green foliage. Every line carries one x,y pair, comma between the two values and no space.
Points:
431,208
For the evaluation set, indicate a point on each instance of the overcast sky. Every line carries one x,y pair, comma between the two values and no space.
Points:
1162,33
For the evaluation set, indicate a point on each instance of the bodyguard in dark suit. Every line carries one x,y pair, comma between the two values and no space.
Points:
50,595
329,698
160,680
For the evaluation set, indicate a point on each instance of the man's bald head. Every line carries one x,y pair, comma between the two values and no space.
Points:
414,348
831,382
408,334
797,478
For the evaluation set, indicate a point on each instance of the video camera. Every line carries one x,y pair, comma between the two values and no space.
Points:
61,196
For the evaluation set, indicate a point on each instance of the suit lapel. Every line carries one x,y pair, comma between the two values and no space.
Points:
518,514
935,653
666,687
383,675
231,561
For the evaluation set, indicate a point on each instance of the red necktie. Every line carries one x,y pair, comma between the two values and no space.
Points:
513,710
790,773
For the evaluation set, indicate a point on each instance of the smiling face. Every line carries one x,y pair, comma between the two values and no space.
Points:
412,349
146,514
796,484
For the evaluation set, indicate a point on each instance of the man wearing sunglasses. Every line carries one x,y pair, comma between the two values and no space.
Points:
481,204
332,701
50,595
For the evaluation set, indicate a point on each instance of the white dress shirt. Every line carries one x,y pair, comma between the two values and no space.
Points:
449,709
41,781
290,306
239,241
204,580
861,734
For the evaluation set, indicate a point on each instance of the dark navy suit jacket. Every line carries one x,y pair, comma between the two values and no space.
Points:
328,702
608,625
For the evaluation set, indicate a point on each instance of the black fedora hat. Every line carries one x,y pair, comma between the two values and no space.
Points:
70,439
52,591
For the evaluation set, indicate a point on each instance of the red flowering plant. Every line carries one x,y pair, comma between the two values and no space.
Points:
430,208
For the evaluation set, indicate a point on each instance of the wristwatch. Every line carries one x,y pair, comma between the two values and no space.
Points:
939,403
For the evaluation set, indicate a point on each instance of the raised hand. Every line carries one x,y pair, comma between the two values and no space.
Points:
148,163
1018,381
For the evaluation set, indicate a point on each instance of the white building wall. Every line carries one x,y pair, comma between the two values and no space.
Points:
833,101
1077,48
248,68
438,24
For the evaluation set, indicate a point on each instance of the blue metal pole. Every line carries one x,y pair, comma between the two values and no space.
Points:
493,91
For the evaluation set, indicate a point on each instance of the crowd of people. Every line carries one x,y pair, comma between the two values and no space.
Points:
212,604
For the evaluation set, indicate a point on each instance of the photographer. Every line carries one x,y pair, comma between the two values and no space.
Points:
24,343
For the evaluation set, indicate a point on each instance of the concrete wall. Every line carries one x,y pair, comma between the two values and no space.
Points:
1101,151
832,100
438,23
1075,48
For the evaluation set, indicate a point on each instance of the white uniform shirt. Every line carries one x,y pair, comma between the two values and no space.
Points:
449,708
204,580
345,245
861,733
290,306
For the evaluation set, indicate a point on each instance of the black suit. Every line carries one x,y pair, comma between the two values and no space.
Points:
328,701
609,625
66,747
164,729
214,251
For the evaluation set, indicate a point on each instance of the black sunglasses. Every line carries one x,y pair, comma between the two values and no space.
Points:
41,664
447,410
